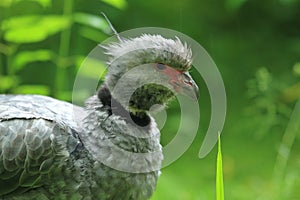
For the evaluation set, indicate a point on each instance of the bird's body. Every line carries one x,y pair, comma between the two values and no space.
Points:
44,152
110,149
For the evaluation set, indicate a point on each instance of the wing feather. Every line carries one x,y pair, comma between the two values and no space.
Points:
34,131
28,151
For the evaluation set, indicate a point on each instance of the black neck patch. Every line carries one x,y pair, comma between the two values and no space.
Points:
112,106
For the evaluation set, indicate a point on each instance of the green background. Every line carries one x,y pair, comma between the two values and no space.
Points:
255,44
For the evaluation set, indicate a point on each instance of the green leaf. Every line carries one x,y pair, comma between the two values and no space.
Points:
296,68
7,82
94,21
44,3
292,93
121,4
90,67
92,34
219,176
64,95
7,3
36,28
32,89
234,4
26,57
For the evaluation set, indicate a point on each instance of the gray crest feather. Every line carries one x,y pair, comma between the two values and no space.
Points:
152,48
146,49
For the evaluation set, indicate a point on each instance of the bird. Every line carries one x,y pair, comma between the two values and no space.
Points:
108,149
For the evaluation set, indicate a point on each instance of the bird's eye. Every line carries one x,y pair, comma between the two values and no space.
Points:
160,66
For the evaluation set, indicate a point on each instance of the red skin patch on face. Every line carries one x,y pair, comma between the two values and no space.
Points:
175,75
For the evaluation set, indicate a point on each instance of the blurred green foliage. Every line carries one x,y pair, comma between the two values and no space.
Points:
255,44
39,33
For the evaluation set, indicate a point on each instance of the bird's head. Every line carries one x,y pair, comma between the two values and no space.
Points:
149,70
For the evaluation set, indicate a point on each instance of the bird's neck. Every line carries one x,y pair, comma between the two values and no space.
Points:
133,116
116,141
148,96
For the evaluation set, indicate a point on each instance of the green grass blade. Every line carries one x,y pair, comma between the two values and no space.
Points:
219,176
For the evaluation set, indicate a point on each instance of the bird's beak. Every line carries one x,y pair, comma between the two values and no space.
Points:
181,81
184,84
189,87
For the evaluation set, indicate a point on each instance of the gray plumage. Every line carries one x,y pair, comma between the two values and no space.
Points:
50,149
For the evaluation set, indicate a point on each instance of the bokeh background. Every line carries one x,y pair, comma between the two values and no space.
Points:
255,44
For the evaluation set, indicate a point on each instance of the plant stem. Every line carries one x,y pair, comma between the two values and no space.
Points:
286,145
219,173
2,62
64,48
